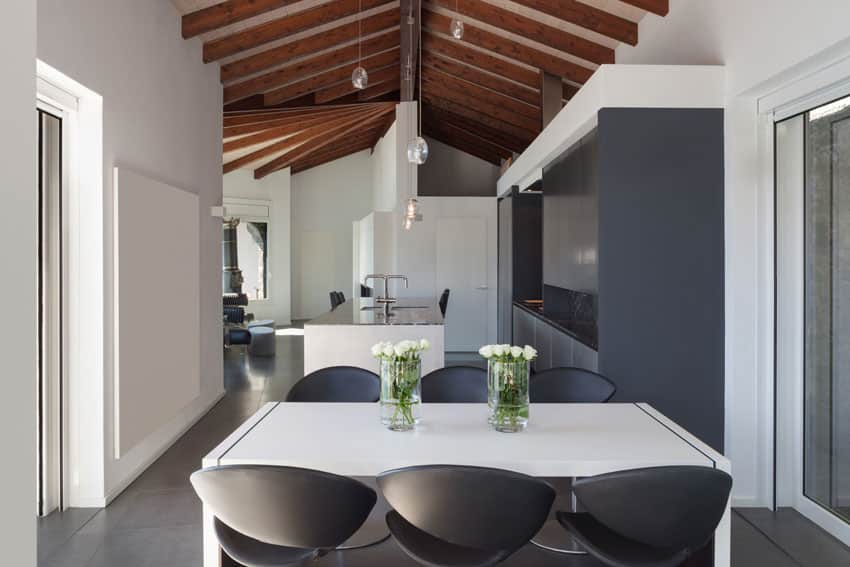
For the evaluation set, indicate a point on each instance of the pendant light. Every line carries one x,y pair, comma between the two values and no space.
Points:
456,27
359,77
417,148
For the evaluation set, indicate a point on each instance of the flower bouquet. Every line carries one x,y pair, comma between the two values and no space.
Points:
507,383
401,372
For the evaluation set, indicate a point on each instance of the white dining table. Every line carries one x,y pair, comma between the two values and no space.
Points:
561,440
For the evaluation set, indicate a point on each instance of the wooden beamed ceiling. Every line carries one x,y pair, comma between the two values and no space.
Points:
286,67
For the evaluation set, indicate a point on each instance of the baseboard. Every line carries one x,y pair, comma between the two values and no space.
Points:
748,502
137,472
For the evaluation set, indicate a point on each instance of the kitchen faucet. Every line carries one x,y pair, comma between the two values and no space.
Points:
385,299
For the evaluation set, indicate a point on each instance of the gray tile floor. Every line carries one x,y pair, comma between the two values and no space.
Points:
156,522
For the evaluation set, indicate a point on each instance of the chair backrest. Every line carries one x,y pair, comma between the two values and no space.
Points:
285,505
569,385
484,508
235,315
337,384
444,301
340,297
334,301
666,507
455,384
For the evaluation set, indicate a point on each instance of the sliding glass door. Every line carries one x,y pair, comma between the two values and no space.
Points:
813,311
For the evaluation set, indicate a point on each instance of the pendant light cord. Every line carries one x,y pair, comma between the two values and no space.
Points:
359,33
420,67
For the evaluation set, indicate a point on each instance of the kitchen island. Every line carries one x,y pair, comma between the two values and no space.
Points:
344,336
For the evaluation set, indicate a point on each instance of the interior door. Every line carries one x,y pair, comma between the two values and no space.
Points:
462,268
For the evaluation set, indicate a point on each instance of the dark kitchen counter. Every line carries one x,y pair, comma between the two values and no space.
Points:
584,332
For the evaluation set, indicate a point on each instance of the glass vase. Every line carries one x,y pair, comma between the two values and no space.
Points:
401,400
507,383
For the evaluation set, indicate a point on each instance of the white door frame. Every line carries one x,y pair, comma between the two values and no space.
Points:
785,174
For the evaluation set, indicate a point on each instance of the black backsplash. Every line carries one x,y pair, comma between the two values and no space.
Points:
567,305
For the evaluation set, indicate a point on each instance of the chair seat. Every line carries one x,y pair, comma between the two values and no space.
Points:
435,552
613,549
254,553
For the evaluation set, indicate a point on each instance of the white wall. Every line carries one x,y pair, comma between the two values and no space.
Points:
384,171
18,225
274,189
326,200
763,44
161,117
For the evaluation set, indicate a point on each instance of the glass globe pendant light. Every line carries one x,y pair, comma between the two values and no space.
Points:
359,77
417,148
456,27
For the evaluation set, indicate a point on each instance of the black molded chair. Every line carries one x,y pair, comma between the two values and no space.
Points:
267,515
337,299
570,385
562,386
455,384
655,517
337,384
457,515
444,301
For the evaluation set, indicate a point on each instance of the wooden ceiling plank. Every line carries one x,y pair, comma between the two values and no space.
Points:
361,141
459,51
310,66
346,87
557,66
658,7
380,89
282,131
329,135
462,145
535,30
311,44
470,138
339,153
301,137
296,122
335,75
474,113
265,115
569,91
447,90
432,113
282,27
481,78
226,13
588,17
430,74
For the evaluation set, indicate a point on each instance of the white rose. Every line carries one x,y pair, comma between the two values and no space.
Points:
377,350
388,350
486,351
399,350
530,352
424,344
516,351
498,350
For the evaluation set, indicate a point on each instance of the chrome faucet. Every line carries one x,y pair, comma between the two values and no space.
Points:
388,278
381,298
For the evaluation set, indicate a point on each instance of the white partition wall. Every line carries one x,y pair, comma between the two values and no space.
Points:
157,312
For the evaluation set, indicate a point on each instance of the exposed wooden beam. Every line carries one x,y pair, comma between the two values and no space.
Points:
588,17
300,138
534,30
481,78
327,78
513,106
473,112
333,37
462,52
343,88
264,115
328,136
282,27
496,106
660,7
310,66
478,150
226,13
278,132
569,91
471,138
380,89
431,113
519,52
294,122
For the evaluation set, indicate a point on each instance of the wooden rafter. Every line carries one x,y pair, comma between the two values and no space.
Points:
296,122
282,27
341,89
660,7
327,78
384,20
588,17
481,78
569,91
226,13
552,64
328,136
432,114
311,66
475,114
535,30
380,89
352,144
464,142
279,132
